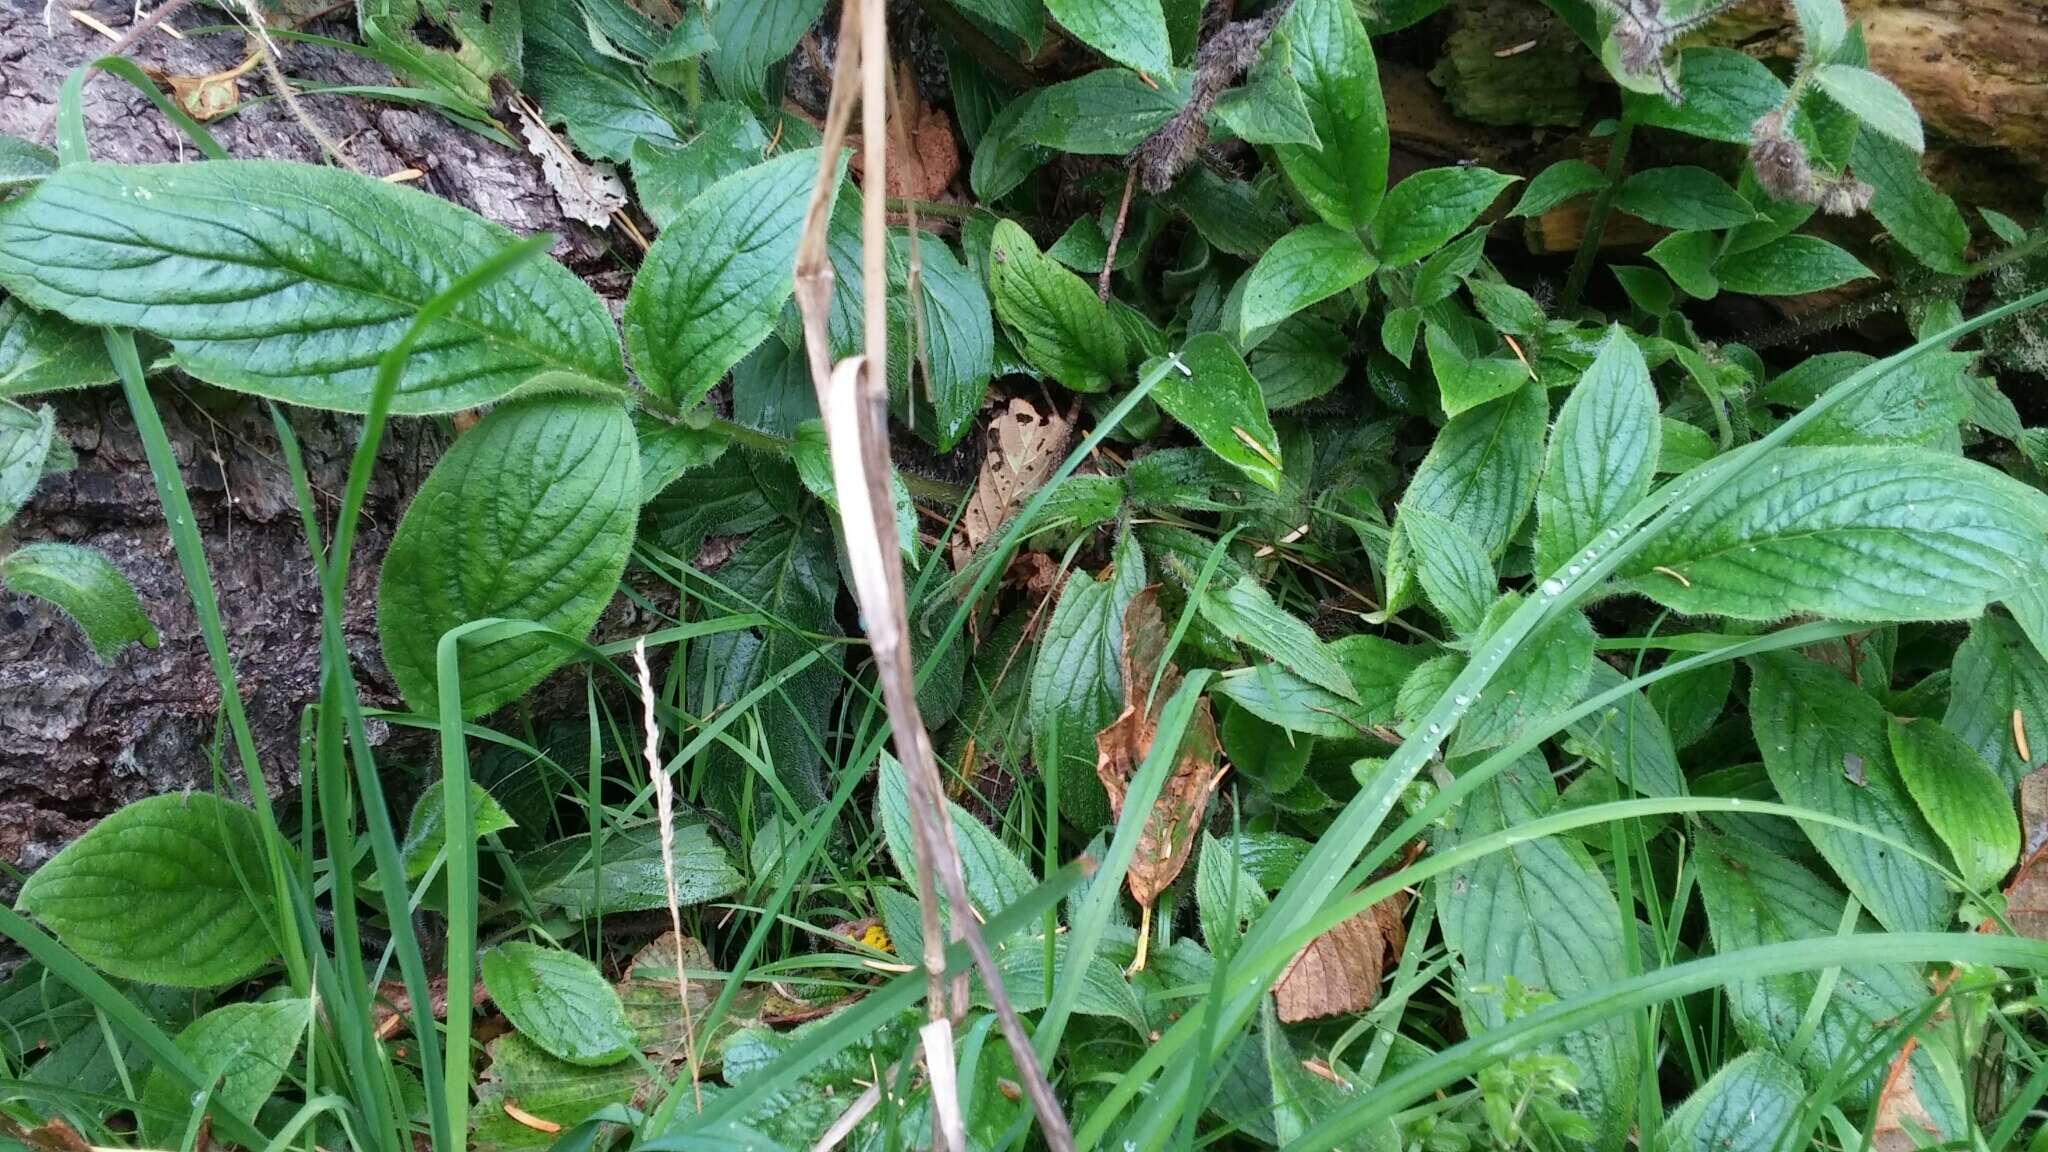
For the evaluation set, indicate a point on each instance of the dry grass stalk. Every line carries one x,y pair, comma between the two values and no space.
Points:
665,813
853,399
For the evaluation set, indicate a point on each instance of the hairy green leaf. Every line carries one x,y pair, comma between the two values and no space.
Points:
160,891
1683,198
1874,100
1724,92
625,873
1219,401
1375,668
1423,212
1964,801
1752,1102
551,1090
1107,112
752,38
558,1000
1482,469
1057,321
1310,264
25,438
88,588
1456,575
610,110
1921,217
1998,674
44,352
995,877
245,1050
1130,32
1345,176
1602,455
1077,684
1788,266
1245,612
1562,181
528,517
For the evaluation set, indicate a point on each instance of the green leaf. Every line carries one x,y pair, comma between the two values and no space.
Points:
1562,181
959,341
1268,108
1447,268
1997,673
1628,738
1540,912
1107,112
1602,454
1130,32
1228,898
1685,446
609,109
23,162
1234,216
555,1091
1219,401
1724,92
995,877
1752,1102
715,281
1264,752
560,1001
1688,258
160,891
666,179
1823,24
625,875
1455,574
244,1051
485,43
1024,19
1302,360
1246,613
1053,315
44,352
1543,676
1310,264
1878,533
1464,383
1824,745
1964,801
1077,683
752,38
1682,198
1787,266
426,834
1423,212
1507,308
1008,151
669,450
1647,288
788,570
261,295
1375,667
1876,101
1921,217
1918,402
1332,61
25,438
1753,897
87,588
1482,469
528,517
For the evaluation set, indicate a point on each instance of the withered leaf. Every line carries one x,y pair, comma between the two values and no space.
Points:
1169,832
1339,972
1903,1123
932,161
2026,901
1023,449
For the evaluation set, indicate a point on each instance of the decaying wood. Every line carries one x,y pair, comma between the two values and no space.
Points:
853,398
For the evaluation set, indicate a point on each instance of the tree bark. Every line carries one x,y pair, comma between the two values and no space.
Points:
78,738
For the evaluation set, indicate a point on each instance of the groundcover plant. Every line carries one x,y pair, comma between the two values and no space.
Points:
1317,675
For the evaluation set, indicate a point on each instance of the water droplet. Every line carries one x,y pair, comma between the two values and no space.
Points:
1553,586
199,1099
1574,570
1435,730
1460,701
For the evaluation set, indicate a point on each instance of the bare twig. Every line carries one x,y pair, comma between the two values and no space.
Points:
1228,54
853,398
665,814
1116,235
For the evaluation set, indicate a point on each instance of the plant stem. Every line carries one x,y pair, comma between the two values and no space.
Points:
1596,220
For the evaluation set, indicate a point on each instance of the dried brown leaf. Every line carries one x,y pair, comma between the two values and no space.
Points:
1903,1123
1023,449
2026,901
932,162
588,193
648,993
1169,831
1339,972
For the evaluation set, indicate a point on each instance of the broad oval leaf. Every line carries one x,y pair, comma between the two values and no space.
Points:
1752,1102
994,876
161,892
626,874
25,438
88,588
1824,744
1107,112
1220,402
1541,912
547,1090
1344,178
1310,264
1997,676
1059,324
558,1000
1888,533
1456,575
716,279
752,38
528,517
1245,612
291,281
1602,455
1874,100
1921,217
1376,668
1788,266
1482,469
1077,683
1724,92
1562,181
1682,198
1130,32
1422,213
243,1049
1963,800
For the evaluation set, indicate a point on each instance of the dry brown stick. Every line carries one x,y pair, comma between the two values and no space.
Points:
853,397
1116,235
1228,54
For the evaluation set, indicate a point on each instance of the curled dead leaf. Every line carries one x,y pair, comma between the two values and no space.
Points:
928,160
588,193
2026,900
1339,972
1023,449
1170,828
1903,1123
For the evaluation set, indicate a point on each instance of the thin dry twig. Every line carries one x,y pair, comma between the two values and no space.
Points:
665,813
1116,235
853,398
